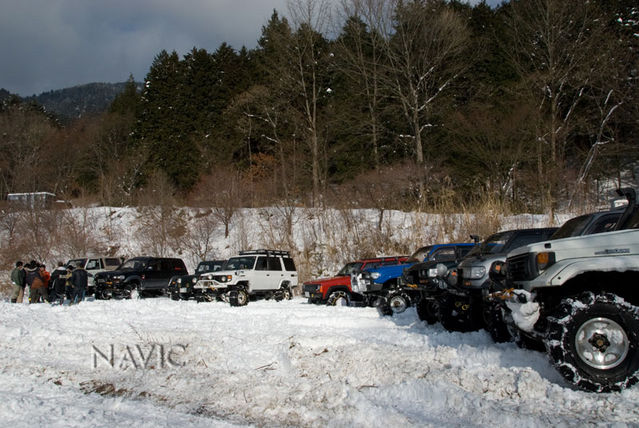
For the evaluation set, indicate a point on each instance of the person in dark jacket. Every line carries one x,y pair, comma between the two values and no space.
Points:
18,282
57,283
79,280
31,270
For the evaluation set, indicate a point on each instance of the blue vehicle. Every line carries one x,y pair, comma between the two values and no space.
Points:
378,282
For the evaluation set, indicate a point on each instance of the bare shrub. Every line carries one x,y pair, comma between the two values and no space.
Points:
198,241
160,225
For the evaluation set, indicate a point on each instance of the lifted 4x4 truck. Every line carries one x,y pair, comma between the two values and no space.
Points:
337,289
579,297
251,274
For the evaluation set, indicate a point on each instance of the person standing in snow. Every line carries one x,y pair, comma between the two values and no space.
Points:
68,286
80,280
31,271
38,291
57,283
17,279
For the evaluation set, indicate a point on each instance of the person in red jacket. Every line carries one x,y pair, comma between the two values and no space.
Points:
38,286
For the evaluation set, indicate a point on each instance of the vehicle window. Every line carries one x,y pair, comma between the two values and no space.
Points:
347,270
573,227
154,266
261,264
389,262
494,244
93,264
605,223
463,251
133,264
245,262
289,264
525,239
77,262
274,263
112,262
420,255
443,254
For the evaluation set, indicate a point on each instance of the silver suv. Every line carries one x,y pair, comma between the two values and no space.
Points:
252,274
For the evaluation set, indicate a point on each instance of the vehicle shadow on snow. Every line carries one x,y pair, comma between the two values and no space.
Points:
479,343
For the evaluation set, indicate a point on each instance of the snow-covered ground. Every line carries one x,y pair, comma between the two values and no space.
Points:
273,364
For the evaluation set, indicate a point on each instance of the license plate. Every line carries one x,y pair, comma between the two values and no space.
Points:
183,290
307,294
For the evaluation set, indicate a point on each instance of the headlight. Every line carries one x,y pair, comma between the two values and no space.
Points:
375,275
179,280
475,272
120,277
432,272
224,278
209,277
194,280
544,260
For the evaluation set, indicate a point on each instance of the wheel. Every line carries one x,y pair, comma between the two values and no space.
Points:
285,294
175,296
238,297
499,323
383,307
593,341
428,310
398,303
455,315
338,298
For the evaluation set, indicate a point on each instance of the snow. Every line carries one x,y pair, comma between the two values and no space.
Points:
273,363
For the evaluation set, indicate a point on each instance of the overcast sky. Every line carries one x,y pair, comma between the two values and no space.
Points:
55,44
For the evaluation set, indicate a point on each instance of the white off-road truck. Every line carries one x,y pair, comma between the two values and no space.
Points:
579,297
251,274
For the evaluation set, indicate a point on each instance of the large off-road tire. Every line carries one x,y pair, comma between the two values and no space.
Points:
398,303
383,307
499,323
238,297
455,315
338,298
593,340
428,310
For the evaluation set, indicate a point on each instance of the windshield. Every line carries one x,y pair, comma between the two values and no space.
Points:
134,264
77,263
350,268
572,227
209,266
240,263
494,244
420,255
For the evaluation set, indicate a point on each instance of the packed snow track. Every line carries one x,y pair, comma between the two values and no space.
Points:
158,362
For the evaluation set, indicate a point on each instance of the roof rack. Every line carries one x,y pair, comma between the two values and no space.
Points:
266,252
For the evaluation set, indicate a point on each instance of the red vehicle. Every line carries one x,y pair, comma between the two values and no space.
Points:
337,290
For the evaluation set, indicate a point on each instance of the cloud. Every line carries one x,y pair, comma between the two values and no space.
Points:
52,44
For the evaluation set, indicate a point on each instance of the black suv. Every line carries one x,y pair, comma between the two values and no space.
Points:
137,277
181,286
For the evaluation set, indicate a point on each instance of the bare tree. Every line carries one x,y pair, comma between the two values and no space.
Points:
424,50
553,45
305,76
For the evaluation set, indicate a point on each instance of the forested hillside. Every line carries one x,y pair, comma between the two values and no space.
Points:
422,104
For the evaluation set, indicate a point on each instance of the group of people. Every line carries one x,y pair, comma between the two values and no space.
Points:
35,283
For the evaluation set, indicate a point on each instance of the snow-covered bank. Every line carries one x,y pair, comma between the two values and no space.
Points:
274,363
